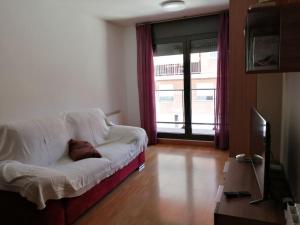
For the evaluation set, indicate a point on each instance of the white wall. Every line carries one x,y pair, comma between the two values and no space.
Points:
55,58
130,69
269,104
291,131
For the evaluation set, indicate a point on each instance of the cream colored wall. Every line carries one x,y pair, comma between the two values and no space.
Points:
54,57
291,131
270,88
269,103
130,72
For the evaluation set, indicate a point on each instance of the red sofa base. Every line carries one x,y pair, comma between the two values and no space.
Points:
16,210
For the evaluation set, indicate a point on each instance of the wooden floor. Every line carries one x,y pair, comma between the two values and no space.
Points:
177,187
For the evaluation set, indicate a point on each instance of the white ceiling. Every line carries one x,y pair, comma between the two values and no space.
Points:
127,12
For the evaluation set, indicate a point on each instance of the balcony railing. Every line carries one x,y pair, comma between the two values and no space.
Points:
176,69
204,97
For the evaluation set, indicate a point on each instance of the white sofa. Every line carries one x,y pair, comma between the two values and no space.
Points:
34,160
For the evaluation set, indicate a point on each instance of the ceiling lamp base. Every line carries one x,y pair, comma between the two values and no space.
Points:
173,5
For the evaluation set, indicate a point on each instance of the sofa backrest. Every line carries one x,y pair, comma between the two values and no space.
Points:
89,125
38,142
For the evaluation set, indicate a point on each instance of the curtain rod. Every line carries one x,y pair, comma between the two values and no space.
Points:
184,17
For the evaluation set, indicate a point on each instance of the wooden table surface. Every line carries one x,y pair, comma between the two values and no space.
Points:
241,177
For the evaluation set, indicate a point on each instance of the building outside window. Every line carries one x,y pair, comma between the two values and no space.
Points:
165,93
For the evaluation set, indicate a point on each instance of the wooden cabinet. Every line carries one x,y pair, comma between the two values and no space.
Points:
242,88
273,39
290,38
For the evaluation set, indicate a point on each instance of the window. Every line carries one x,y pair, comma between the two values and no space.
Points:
185,60
205,92
213,55
165,93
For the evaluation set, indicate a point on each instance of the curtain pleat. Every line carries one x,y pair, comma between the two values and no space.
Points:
146,82
221,111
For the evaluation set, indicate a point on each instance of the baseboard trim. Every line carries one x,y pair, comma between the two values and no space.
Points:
186,142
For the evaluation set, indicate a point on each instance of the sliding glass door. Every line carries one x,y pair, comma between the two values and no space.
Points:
203,64
185,76
169,85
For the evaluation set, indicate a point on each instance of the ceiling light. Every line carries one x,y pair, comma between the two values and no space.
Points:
173,5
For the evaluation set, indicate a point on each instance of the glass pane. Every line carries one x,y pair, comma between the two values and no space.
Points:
203,85
204,45
168,62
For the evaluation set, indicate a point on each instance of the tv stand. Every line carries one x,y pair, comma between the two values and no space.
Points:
237,211
254,202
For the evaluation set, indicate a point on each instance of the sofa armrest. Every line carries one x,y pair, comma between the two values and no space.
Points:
35,183
128,134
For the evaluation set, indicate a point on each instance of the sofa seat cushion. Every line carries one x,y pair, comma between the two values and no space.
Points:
119,154
65,179
84,173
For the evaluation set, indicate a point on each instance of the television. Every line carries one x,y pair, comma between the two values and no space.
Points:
260,149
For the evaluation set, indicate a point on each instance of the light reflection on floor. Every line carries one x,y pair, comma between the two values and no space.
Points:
187,185
172,181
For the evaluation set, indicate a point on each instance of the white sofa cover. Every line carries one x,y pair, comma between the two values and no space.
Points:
34,158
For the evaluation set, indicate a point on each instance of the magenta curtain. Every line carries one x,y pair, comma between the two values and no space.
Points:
146,83
221,112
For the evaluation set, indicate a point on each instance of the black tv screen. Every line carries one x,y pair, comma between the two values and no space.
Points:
260,143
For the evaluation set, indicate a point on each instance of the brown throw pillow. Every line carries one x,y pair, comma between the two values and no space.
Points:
81,150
